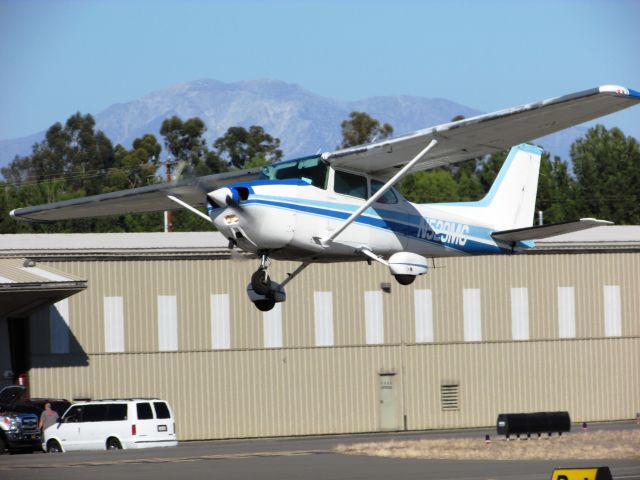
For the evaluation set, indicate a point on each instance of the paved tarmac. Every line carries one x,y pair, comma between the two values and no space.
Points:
288,458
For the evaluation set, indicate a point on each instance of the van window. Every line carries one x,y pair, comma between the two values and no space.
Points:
162,411
94,413
116,412
144,411
74,415
350,184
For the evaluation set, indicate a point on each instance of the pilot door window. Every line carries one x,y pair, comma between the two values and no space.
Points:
387,197
350,184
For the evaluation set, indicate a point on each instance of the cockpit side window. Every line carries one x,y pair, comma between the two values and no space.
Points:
311,170
350,184
389,196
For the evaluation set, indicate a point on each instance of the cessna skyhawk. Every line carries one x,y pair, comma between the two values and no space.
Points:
342,205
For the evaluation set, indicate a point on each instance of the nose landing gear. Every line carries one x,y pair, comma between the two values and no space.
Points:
262,291
260,281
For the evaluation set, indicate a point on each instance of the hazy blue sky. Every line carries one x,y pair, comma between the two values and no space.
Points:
58,57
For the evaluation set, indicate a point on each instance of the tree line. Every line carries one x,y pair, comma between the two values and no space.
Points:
75,160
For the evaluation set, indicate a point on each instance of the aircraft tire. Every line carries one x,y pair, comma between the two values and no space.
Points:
265,305
260,282
405,279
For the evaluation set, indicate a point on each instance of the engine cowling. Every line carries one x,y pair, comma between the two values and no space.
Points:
406,266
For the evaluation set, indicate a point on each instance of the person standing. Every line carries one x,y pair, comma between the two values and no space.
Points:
48,417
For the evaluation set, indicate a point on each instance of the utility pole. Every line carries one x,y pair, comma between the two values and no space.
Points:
168,214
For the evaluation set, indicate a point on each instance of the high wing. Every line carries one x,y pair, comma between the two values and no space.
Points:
550,230
456,141
151,198
484,134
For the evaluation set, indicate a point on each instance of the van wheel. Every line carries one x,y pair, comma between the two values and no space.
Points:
113,444
3,446
53,447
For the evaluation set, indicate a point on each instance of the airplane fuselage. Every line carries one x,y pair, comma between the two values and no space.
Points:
288,219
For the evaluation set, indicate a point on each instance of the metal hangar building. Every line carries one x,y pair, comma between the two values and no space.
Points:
166,315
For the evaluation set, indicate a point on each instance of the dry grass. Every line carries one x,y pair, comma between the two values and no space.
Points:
593,445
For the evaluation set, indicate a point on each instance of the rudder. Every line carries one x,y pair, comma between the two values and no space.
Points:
511,201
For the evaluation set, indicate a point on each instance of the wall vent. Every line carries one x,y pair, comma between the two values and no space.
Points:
450,397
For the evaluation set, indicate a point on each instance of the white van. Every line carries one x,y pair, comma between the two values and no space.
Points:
112,425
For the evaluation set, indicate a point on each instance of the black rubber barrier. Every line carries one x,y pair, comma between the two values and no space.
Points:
528,423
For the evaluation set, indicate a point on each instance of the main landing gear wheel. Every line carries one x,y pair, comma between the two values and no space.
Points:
405,279
260,282
265,305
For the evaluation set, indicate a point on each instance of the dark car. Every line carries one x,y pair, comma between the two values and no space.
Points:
36,405
18,428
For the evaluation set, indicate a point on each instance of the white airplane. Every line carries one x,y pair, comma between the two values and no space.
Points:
341,205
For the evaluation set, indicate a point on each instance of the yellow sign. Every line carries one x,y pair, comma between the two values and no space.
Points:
596,473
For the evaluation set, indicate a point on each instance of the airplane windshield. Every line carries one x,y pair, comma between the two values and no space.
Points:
310,170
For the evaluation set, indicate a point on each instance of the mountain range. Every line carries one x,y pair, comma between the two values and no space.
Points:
304,122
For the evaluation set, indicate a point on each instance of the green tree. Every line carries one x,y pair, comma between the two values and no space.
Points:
88,154
362,128
556,196
607,169
429,187
136,167
243,148
185,142
76,152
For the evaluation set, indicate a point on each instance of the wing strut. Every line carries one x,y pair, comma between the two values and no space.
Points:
290,276
379,193
373,256
189,207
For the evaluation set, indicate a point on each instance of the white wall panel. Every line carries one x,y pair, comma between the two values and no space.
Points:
59,326
323,317
612,311
423,311
272,322
113,324
220,322
520,314
374,318
167,323
472,315
566,312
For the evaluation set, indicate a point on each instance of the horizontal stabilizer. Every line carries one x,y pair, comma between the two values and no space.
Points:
551,230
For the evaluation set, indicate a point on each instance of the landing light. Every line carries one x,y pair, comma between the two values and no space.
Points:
230,219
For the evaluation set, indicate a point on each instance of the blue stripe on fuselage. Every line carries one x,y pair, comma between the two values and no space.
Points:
323,209
403,218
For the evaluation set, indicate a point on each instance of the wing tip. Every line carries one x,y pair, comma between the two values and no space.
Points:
619,91
596,222
16,215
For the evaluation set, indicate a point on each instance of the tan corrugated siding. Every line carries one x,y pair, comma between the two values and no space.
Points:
330,390
303,389
592,379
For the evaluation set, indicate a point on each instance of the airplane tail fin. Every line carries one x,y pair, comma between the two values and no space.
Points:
510,203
